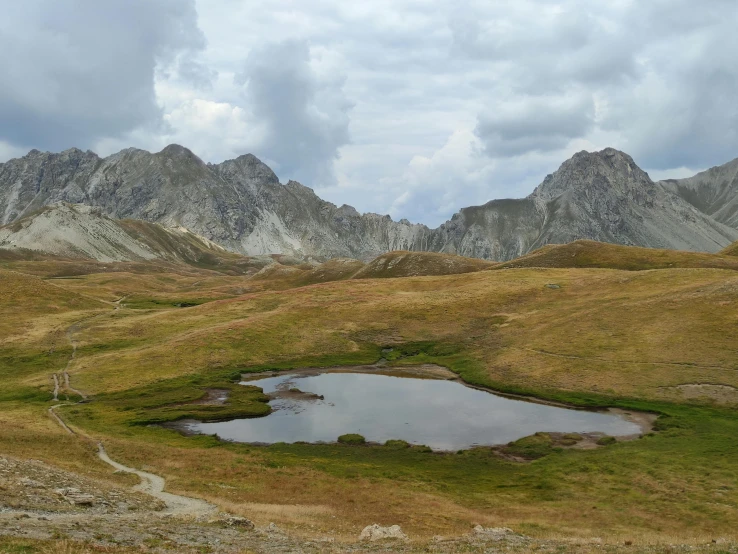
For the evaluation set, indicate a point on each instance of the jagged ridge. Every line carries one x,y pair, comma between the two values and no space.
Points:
241,205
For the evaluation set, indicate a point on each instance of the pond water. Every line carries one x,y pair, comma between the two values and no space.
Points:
442,414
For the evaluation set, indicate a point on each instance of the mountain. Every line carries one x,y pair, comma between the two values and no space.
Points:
241,205
82,232
714,192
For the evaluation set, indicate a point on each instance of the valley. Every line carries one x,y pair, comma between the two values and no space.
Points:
150,341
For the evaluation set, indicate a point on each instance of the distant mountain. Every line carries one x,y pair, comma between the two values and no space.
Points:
241,205
714,192
81,232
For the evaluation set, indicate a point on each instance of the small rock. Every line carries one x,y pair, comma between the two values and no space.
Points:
272,528
81,499
31,484
236,521
553,286
67,491
496,534
376,532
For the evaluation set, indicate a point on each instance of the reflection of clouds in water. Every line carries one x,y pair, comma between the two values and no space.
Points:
441,414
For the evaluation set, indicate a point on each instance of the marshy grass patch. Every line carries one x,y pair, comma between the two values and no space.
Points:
606,441
351,438
397,444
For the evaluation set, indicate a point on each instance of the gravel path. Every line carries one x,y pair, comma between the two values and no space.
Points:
154,485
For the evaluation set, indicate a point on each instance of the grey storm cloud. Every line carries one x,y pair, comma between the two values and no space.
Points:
535,125
304,116
682,112
78,71
662,72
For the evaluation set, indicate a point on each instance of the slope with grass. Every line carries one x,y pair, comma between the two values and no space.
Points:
730,250
630,339
414,264
587,253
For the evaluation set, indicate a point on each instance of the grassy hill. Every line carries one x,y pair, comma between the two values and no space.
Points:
731,250
588,253
413,264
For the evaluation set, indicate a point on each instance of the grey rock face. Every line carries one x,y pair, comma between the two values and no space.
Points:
605,196
241,205
714,192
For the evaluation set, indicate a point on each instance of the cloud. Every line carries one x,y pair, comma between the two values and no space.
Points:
661,73
303,113
547,45
535,125
84,70
683,111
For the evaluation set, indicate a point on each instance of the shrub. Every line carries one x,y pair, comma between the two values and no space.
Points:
606,440
397,444
532,447
351,438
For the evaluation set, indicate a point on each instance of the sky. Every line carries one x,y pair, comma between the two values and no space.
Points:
413,108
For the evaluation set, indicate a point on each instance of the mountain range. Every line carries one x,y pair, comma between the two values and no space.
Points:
240,206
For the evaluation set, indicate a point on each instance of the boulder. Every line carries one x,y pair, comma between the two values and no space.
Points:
377,532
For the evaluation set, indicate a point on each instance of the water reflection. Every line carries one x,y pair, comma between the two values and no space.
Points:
444,415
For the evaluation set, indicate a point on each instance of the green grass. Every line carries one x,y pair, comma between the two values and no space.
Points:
669,476
140,303
175,399
532,447
351,438
397,444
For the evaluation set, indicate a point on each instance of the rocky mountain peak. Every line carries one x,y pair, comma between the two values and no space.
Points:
179,154
608,171
246,167
241,205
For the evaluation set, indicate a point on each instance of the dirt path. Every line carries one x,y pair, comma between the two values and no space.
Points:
153,485
58,419
70,388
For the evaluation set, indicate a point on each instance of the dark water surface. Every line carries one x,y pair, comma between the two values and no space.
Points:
444,415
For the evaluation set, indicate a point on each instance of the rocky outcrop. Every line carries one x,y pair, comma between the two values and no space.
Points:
241,205
713,192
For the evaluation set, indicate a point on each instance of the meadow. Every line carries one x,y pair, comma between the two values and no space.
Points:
151,343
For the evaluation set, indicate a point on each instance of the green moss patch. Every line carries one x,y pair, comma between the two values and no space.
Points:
352,438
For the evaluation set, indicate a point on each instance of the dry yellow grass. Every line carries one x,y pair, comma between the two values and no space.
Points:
628,333
595,331
588,253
